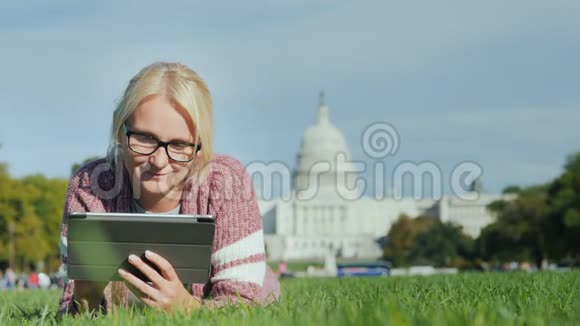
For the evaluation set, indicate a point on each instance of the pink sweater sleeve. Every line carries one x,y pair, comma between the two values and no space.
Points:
239,269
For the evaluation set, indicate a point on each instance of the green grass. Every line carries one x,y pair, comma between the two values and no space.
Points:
466,299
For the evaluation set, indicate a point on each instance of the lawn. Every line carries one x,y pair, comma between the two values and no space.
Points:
465,299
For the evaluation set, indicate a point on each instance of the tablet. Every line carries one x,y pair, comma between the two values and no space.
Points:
100,243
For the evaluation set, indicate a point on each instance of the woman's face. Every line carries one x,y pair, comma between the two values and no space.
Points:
157,173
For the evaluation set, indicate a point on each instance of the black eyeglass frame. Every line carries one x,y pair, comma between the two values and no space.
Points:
164,144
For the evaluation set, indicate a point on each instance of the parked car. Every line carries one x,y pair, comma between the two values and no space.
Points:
378,268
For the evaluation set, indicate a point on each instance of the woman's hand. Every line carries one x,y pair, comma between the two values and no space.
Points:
166,292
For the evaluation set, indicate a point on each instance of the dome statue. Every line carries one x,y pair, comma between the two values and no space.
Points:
321,145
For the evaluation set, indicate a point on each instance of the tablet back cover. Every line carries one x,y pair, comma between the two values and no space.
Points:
100,243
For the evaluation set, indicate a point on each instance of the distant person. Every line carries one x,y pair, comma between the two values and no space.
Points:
11,278
161,160
32,280
282,268
21,281
3,281
43,281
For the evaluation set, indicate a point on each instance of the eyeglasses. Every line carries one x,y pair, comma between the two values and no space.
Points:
145,144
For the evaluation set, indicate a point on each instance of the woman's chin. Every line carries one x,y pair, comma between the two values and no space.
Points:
155,187
160,187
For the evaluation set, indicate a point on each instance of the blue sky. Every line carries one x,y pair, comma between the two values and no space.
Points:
494,82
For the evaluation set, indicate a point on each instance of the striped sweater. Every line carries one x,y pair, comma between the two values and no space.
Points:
239,270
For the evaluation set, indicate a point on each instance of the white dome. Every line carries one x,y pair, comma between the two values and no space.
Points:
322,142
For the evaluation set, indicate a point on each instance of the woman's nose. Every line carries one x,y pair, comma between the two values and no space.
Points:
159,158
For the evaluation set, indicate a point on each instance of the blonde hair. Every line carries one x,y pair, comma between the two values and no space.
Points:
179,84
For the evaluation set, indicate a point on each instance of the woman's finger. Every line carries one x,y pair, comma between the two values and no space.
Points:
137,283
147,270
141,296
164,266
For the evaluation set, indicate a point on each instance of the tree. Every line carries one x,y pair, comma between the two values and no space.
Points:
401,238
30,215
3,166
8,212
520,230
564,216
48,204
513,189
427,241
29,240
444,244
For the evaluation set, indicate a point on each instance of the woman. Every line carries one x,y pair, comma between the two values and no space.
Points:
160,160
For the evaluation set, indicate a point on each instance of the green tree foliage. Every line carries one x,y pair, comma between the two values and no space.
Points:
543,222
519,232
48,202
3,168
401,239
425,240
444,244
540,222
514,189
33,205
564,202
9,203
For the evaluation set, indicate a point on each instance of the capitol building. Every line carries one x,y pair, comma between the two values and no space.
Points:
329,220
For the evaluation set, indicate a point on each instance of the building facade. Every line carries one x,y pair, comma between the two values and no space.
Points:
321,216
